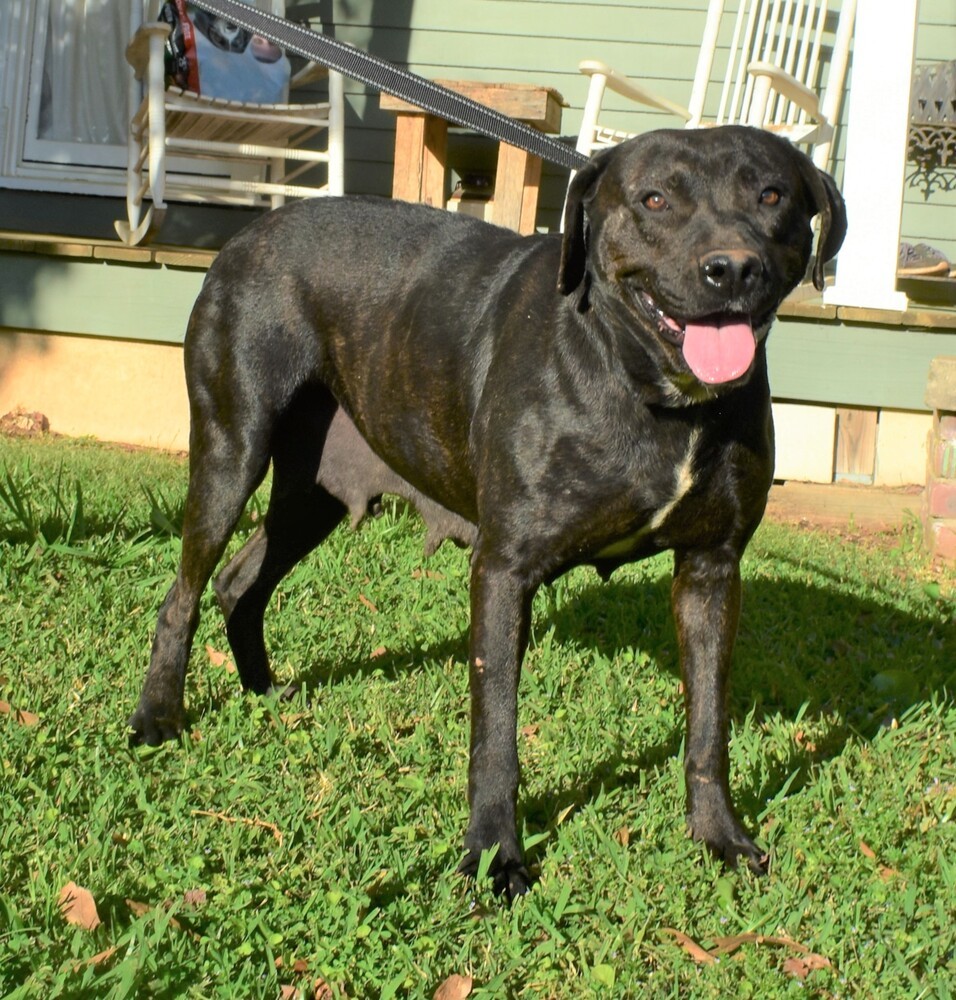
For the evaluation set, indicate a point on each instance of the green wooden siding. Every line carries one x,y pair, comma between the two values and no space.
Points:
536,41
826,362
96,297
542,41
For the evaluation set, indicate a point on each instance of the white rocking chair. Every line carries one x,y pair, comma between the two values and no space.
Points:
767,58
190,148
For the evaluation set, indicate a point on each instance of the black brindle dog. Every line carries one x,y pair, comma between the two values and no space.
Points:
551,401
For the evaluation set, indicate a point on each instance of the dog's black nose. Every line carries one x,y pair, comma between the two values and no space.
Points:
730,271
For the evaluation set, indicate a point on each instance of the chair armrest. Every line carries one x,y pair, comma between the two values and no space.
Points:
620,84
791,88
138,50
309,73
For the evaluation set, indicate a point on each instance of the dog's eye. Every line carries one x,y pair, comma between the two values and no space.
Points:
770,196
655,202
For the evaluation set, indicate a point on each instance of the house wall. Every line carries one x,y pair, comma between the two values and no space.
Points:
542,42
65,322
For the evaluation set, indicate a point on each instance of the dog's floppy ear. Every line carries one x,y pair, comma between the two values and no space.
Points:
574,247
832,211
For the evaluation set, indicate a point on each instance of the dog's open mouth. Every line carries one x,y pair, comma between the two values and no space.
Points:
717,348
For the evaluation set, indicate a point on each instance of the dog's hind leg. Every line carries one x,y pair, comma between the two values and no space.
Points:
301,513
224,471
295,523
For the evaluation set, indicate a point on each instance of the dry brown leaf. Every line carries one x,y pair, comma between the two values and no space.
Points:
138,909
428,574
218,659
321,990
21,716
802,966
623,836
800,738
78,906
194,897
726,945
99,959
696,952
368,604
287,992
378,652
867,851
245,820
530,731
455,987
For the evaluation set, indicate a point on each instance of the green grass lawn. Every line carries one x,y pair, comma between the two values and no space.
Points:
309,848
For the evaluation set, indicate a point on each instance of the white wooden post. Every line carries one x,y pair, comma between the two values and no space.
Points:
875,171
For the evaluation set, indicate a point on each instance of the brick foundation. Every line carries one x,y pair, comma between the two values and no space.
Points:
940,510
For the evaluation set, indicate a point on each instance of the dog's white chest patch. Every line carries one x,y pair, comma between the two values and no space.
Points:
683,483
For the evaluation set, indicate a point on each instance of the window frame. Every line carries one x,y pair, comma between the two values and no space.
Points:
28,162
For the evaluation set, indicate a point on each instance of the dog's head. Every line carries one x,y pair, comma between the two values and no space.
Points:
694,237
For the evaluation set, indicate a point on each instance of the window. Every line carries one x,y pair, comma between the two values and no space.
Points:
64,94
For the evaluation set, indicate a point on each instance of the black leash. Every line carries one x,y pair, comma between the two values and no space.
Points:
391,79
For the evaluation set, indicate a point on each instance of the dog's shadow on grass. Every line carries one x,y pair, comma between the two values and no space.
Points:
846,665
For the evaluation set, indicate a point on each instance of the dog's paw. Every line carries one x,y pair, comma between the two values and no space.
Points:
287,693
729,842
509,877
151,729
742,849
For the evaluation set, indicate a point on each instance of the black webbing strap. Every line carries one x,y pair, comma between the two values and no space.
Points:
385,76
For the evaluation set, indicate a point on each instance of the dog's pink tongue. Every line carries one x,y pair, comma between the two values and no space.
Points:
719,352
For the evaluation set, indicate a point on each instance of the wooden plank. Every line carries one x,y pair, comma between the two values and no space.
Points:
185,258
41,243
517,180
855,445
118,251
538,106
420,148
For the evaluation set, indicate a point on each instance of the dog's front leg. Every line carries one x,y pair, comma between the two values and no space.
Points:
706,600
500,613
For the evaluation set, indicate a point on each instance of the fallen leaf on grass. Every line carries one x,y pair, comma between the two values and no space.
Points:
728,945
194,897
99,959
139,909
799,965
78,906
378,652
368,604
886,873
623,836
218,659
455,987
24,718
802,967
800,738
247,821
428,574
697,952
